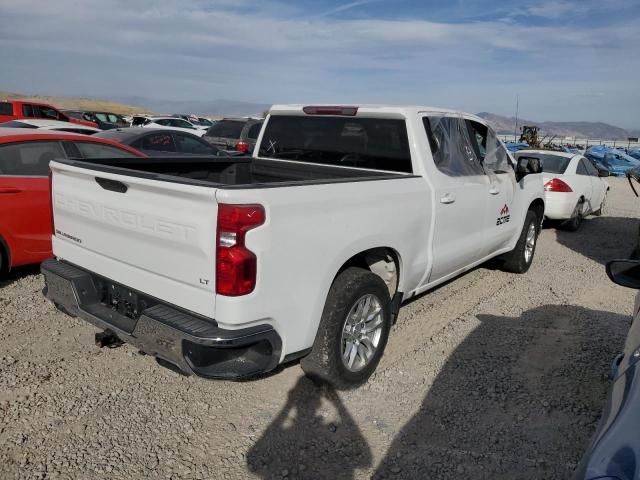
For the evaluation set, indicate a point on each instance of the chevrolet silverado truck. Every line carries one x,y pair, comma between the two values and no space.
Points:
228,267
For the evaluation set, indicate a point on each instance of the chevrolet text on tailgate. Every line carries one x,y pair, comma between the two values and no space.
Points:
226,267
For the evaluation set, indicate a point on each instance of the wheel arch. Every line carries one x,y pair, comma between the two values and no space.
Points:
537,206
383,261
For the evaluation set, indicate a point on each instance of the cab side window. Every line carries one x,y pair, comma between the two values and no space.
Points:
451,146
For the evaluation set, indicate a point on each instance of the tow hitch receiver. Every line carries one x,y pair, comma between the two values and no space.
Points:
108,339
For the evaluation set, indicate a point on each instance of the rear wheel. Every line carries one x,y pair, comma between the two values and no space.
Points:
573,224
353,330
519,259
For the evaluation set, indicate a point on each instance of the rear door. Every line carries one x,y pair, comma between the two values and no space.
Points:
585,187
153,236
25,219
598,187
461,191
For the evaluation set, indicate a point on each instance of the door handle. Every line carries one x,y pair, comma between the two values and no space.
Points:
9,190
447,198
494,191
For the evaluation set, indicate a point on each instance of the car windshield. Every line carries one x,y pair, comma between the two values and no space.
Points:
227,129
550,163
375,143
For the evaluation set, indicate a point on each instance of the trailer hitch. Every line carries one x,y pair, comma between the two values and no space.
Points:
108,339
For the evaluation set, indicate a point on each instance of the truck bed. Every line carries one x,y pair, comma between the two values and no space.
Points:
231,172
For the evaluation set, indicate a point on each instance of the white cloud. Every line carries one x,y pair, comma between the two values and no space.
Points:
267,51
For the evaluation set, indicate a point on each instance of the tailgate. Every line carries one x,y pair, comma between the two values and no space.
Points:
153,236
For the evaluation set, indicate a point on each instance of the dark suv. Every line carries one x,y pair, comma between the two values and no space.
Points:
235,134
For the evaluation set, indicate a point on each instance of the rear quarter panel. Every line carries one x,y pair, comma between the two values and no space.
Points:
309,233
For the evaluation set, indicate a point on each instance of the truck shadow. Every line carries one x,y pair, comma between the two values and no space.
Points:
603,238
18,273
302,443
518,398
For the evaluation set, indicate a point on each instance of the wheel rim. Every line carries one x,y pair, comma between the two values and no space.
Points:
361,333
530,242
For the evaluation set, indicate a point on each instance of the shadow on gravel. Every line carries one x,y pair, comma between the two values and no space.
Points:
300,443
518,398
602,238
18,273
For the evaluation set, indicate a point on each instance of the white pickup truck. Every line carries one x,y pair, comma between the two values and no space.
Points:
228,267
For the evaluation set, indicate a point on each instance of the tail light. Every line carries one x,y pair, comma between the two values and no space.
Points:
243,146
557,185
236,265
53,225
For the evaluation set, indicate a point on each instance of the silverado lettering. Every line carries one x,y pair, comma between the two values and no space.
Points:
125,219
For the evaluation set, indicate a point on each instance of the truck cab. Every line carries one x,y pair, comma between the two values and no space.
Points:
17,109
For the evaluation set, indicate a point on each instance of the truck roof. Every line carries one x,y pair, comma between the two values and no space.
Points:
373,109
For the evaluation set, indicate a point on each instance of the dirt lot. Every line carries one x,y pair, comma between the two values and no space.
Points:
493,375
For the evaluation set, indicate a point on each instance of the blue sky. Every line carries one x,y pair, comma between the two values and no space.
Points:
568,60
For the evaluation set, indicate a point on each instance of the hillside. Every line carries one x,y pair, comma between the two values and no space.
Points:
506,125
219,107
77,103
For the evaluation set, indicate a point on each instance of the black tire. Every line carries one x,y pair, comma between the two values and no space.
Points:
516,261
324,363
574,223
4,261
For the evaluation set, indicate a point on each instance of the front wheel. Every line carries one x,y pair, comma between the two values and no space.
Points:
353,330
519,259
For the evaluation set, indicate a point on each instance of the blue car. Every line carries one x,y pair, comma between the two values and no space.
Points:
516,146
635,153
616,161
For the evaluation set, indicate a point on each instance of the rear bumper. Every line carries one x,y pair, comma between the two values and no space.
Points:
190,342
559,206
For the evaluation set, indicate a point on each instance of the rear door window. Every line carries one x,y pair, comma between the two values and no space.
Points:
28,111
254,131
187,144
373,143
454,152
29,159
160,142
591,170
227,129
99,150
582,168
47,112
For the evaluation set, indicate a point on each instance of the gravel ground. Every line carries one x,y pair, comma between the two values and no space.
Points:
492,375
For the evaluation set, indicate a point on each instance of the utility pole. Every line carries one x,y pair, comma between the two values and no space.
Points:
515,130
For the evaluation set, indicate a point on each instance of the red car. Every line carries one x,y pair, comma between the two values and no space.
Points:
16,109
25,204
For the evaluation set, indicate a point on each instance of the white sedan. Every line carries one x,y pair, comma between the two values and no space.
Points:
46,124
170,123
574,188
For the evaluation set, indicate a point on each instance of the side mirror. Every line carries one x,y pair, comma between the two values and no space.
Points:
603,173
625,272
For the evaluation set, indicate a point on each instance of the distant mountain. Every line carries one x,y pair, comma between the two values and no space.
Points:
78,103
216,108
506,126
